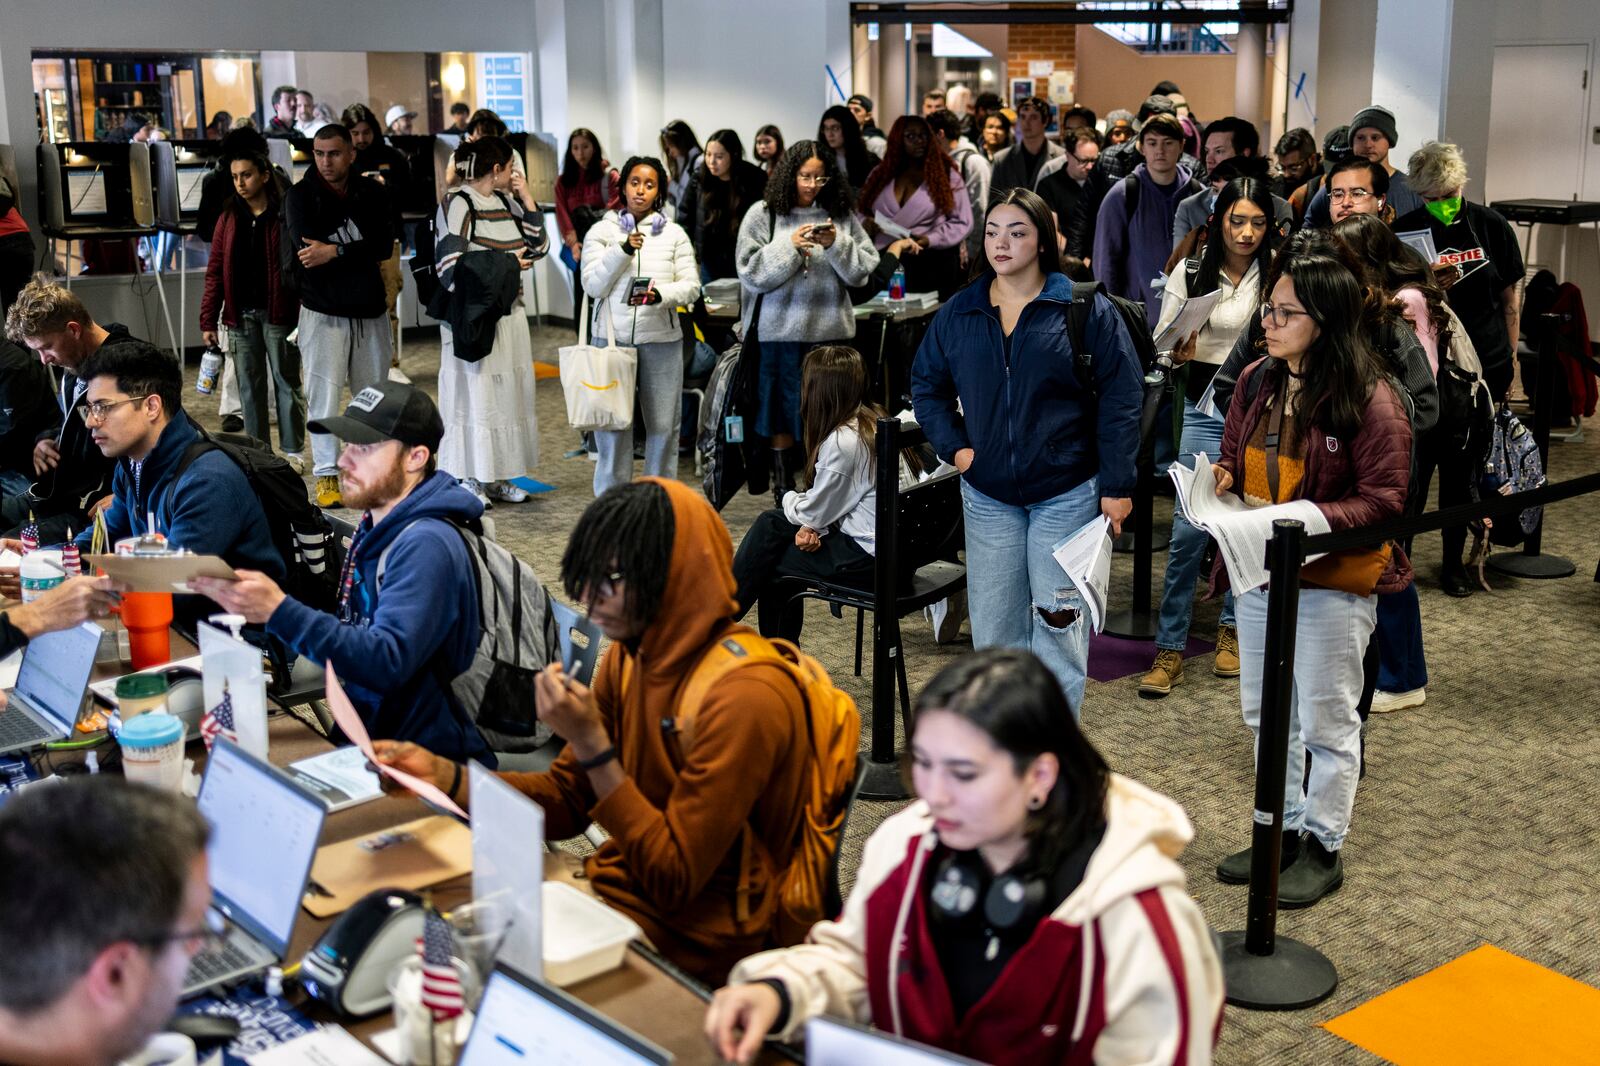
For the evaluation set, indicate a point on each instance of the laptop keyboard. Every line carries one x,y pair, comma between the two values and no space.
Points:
18,728
212,964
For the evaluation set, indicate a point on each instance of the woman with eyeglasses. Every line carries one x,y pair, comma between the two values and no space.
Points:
1236,259
918,189
1316,419
839,130
721,191
799,254
1026,908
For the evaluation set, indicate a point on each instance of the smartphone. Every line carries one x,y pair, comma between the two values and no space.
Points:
638,289
820,228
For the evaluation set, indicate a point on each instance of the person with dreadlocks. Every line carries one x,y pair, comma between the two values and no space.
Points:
697,834
392,640
918,188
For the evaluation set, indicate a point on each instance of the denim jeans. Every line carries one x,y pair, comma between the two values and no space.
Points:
258,346
1330,640
1007,601
778,380
1402,662
1188,548
660,384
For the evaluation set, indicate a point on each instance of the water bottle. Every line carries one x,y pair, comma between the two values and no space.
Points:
210,370
897,285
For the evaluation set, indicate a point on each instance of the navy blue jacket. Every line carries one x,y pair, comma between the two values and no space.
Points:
428,606
210,510
1033,429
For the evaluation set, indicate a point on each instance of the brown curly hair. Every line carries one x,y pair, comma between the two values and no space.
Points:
44,307
936,167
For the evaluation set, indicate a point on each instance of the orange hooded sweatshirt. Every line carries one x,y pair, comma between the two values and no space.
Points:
673,859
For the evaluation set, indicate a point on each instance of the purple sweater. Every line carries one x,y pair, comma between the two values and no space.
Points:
1130,253
923,219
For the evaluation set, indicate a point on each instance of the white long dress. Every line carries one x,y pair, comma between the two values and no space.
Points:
491,431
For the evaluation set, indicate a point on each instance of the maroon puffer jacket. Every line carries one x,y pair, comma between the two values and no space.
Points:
1353,482
283,307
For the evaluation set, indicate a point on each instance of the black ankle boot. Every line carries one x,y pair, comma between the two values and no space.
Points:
1315,874
782,475
1235,869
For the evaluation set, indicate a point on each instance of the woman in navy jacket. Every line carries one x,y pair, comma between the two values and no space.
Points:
1040,451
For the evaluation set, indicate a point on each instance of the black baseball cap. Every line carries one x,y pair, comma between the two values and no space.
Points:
387,411
864,100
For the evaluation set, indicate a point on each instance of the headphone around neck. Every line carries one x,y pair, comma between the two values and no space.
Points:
1009,902
625,219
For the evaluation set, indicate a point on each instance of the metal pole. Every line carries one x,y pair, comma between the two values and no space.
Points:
883,780
1529,562
1262,970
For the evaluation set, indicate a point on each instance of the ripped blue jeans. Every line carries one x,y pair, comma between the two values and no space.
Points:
1017,594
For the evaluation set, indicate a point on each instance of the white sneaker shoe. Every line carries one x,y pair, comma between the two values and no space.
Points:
398,375
506,491
946,617
474,486
296,461
1385,702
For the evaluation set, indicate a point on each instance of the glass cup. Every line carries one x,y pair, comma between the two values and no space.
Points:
480,928
414,1023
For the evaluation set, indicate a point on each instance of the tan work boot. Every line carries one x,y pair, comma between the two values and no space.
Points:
1167,672
328,491
1227,664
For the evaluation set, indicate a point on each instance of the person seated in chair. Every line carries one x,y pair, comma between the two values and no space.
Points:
827,531
103,902
408,598
1027,908
699,834
200,499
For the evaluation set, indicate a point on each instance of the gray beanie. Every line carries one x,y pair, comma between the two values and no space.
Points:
1375,118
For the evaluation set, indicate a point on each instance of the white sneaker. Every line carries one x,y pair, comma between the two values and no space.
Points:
1385,702
506,491
296,461
398,375
474,486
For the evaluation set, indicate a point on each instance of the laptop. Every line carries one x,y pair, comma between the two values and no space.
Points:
264,830
44,705
522,1021
836,1042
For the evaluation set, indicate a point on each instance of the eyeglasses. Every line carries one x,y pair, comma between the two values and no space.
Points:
608,584
807,179
1355,196
97,410
1279,316
194,941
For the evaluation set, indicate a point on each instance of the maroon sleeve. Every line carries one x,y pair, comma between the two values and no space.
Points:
1233,428
221,248
1381,455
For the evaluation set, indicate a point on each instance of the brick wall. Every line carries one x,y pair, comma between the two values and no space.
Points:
1025,43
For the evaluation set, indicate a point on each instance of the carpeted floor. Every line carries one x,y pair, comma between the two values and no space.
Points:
1477,821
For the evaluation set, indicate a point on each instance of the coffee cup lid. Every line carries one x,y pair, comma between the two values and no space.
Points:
151,731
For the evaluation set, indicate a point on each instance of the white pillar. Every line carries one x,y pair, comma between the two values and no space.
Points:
1410,61
1250,57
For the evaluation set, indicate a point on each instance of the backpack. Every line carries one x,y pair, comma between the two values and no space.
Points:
517,638
1130,193
300,531
424,262
834,728
1466,410
1512,465
1130,311
723,460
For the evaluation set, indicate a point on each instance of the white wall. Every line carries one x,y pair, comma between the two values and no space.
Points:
339,78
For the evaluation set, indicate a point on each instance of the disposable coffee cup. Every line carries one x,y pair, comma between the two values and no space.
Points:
140,694
152,750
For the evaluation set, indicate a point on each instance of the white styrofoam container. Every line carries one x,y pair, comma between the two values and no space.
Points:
582,936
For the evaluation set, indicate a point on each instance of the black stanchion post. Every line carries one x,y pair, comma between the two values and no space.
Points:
1138,622
1529,562
1263,971
883,780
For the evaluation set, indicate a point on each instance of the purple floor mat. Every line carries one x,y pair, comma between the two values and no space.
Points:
1111,658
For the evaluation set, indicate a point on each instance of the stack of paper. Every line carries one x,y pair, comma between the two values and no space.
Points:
1193,314
1241,531
1086,557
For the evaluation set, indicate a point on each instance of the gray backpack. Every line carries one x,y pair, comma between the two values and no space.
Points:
517,639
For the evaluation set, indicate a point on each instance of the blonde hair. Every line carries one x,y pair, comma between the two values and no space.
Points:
44,307
1437,169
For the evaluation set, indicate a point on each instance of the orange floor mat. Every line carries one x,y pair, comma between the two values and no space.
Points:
1488,1006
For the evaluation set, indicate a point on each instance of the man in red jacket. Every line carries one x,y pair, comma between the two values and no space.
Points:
244,284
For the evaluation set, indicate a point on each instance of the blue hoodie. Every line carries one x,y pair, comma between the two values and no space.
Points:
1130,253
428,606
1034,432
210,510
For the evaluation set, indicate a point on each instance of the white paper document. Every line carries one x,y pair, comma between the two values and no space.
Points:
339,778
328,1046
1208,402
1086,557
1422,241
1192,315
1241,531
890,226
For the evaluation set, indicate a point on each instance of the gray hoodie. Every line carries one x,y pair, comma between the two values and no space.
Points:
804,298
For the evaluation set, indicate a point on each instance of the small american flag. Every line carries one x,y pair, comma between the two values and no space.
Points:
441,986
218,721
30,535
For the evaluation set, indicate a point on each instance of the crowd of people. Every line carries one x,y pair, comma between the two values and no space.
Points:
1314,378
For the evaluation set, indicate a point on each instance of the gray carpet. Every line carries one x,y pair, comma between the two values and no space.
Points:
1477,820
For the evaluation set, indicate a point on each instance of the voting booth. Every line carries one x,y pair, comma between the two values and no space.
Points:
92,190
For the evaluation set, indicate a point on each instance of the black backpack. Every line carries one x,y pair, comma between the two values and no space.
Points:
1130,193
423,262
1130,311
300,532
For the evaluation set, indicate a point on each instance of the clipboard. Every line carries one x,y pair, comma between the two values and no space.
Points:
414,855
580,642
161,573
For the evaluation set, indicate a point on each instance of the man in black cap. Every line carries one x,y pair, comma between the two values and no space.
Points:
860,106
408,600
1119,160
1372,136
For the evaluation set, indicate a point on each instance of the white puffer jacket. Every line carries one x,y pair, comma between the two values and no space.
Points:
667,258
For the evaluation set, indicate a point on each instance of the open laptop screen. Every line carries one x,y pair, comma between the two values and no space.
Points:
264,831
835,1042
55,671
523,1022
